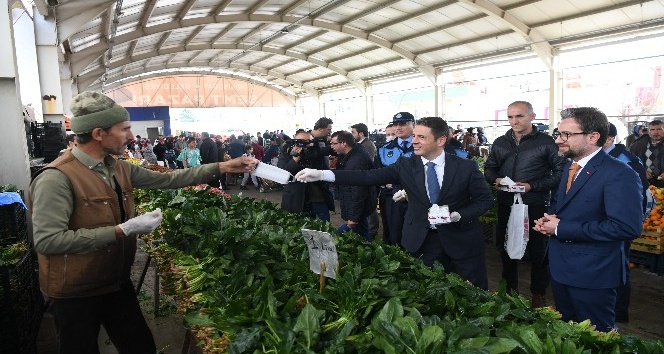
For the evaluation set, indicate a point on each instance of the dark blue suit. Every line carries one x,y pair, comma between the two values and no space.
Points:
459,244
587,260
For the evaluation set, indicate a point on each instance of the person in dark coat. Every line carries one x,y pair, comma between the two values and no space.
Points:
209,154
235,147
356,202
530,158
159,150
650,149
431,177
619,151
313,199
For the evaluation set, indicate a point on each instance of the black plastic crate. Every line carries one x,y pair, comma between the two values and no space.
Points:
653,262
21,306
13,225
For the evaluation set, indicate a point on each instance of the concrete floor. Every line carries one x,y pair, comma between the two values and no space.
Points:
646,309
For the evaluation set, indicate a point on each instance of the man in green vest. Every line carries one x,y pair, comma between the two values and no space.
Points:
85,230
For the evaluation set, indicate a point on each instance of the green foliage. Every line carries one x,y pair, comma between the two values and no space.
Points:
8,188
10,255
247,273
491,215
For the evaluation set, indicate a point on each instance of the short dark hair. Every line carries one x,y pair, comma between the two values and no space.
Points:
205,134
323,123
655,122
69,138
190,139
438,126
361,128
529,107
591,119
344,137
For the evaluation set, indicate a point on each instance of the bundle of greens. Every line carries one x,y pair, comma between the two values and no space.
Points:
240,271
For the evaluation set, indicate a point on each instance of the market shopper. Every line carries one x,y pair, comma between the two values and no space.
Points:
190,156
458,243
85,229
650,149
529,158
209,154
595,210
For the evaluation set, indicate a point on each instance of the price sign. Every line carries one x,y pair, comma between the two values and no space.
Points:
322,252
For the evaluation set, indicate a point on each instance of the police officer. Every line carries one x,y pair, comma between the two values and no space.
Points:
393,212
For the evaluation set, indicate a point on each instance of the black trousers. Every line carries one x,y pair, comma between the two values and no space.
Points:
535,252
382,202
395,213
78,321
472,268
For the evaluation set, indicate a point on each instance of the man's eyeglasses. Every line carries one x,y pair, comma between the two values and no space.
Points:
565,135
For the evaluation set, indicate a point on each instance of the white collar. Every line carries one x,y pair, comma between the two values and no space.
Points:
582,163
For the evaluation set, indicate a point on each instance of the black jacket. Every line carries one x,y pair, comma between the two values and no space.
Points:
160,151
356,201
209,151
534,160
620,152
639,147
294,195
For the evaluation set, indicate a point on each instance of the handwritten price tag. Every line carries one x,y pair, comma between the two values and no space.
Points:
322,251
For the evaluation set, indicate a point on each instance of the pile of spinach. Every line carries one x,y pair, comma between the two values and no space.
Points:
240,271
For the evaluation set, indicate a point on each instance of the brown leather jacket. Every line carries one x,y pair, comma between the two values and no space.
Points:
95,205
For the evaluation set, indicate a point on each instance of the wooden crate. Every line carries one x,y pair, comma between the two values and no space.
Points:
650,242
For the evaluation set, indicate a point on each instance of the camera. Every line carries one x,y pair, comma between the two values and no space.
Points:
301,143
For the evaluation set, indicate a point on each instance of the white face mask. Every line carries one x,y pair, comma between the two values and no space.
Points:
390,138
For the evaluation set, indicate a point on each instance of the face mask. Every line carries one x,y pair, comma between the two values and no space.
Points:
390,138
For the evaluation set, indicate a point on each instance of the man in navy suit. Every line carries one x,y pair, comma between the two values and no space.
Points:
595,210
431,174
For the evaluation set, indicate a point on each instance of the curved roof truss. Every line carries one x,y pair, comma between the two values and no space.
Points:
320,44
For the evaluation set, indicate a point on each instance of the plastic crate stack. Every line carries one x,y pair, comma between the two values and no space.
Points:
22,306
48,139
21,302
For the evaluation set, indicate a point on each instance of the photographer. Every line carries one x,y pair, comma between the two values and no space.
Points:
308,151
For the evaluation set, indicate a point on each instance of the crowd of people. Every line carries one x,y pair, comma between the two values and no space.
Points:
585,194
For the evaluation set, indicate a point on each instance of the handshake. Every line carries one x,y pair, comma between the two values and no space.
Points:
142,224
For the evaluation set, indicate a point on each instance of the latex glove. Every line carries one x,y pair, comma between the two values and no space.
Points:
309,175
454,216
400,196
142,224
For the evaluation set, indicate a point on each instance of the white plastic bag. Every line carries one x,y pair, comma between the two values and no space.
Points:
518,227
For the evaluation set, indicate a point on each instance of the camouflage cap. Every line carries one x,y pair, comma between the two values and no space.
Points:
95,110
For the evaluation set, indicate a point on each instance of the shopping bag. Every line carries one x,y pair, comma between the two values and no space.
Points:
517,229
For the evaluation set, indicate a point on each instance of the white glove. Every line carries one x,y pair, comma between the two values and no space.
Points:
142,224
400,196
309,175
454,216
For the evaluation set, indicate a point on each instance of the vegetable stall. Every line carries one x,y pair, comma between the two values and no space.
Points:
239,269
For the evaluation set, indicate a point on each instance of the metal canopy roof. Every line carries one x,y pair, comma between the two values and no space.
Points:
311,46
